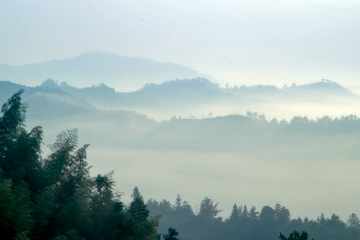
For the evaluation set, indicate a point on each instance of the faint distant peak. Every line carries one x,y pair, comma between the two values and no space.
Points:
113,59
121,72
322,86
184,84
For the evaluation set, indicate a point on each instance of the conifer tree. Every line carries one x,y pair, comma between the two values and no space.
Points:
234,213
208,209
141,226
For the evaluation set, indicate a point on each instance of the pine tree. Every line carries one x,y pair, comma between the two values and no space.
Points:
245,212
208,209
253,213
141,226
177,204
353,222
234,213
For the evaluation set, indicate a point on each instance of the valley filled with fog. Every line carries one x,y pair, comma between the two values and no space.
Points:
169,120
257,145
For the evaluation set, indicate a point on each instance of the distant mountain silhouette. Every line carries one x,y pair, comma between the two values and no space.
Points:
197,91
122,73
45,102
322,87
49,104
151,95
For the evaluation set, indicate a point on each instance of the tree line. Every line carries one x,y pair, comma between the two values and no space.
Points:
248,223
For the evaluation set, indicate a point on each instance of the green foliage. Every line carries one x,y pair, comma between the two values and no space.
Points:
138,210
141,225
172,233
244,212
60,237
253,213
23,218
353,222
13,119
295,236
73,235
16,220
208,209
267,214
56,198
234,213
42,207
281,213
136,193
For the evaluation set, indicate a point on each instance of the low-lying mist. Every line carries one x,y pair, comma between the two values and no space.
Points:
310,167
220,143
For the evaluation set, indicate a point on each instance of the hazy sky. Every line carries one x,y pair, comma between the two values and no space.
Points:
238,42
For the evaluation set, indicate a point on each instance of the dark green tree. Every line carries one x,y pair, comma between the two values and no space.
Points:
208,209
172,233
353,222
68,172
245,212
136,193
253,213
295,236
141,225
16,220
267,214
282,214
234,213
20,152
177,204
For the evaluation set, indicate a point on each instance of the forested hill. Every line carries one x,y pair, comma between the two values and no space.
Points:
45,102
232,132
124,73
189,92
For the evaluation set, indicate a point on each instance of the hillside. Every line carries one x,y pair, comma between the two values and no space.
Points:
190,92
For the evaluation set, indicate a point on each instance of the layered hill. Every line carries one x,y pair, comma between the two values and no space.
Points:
122,73
200,91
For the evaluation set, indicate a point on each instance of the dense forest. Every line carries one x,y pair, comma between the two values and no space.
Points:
56,197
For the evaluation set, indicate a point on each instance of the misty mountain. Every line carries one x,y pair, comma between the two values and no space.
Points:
322,88
233,132
46,103
123,73
56,110
190,149
200,91
168,93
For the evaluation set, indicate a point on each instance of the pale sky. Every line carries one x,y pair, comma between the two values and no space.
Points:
239,42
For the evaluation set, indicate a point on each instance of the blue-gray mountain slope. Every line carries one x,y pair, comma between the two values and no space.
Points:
122,73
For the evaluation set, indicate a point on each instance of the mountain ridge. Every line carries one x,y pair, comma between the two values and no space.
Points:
93,68
200,90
